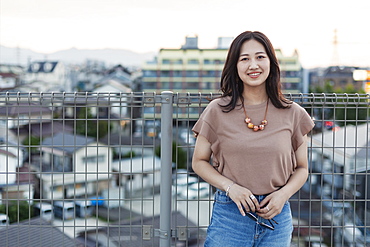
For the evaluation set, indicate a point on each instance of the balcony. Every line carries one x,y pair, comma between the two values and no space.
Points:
91,169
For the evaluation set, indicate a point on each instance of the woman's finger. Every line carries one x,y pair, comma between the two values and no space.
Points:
254,200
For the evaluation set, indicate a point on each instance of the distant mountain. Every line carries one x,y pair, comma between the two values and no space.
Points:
76,56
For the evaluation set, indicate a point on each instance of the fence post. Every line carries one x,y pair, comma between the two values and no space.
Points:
166,168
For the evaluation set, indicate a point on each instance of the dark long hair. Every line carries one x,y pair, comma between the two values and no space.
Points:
232,85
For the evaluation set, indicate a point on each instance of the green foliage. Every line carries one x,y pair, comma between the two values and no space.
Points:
31,143
130,154
17,211
87,125
179,155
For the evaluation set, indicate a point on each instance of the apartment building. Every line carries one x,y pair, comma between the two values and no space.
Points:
190,69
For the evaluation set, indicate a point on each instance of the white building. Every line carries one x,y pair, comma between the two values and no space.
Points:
73,165
51,75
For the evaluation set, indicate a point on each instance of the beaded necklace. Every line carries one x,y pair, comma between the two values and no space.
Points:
249,123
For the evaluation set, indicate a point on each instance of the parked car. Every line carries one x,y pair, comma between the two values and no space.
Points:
84,209
44,210
196,191
64,210
4,220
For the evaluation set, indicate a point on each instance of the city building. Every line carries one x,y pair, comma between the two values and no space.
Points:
291,72
190,69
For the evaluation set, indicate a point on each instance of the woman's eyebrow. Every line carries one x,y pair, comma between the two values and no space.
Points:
257,53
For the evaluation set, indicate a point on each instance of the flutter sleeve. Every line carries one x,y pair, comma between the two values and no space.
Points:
303,125
206,124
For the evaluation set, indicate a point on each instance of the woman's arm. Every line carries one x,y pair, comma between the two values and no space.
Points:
202,167
273,204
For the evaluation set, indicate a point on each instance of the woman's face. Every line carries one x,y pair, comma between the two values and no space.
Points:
253,64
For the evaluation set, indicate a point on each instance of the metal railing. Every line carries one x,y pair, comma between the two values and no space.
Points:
114,169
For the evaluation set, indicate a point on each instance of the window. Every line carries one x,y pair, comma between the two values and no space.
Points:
178,61
208,73
149,85
165,85
165,73
166,61
149,73
177,73
193,61
192,73
35,67
48,67
192,85
93,159
177,85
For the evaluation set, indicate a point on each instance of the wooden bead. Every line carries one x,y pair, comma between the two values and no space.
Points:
264,122
261,127
247,120
250,125
256,128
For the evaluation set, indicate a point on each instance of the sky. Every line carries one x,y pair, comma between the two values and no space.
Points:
148,25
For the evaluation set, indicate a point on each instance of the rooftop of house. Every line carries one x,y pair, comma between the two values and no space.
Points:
42,67
35,232
14,110
67,142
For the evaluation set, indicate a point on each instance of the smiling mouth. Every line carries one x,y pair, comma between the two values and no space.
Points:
254,74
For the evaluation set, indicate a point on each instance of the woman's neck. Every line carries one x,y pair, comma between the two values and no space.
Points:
255,98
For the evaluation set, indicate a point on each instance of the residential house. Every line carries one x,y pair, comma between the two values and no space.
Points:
86,75
112,90
72,166
10,76
15,180
115,85
52,76
135,166
23,113
18,117
138,175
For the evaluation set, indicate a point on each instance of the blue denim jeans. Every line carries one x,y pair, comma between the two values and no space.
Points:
229,228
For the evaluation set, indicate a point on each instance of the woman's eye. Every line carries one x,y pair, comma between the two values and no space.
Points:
244,59
261,57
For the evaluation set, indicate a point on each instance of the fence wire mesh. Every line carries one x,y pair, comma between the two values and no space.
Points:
84,169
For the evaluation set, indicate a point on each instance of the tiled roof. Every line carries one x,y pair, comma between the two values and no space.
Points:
34,232
67,142
14,110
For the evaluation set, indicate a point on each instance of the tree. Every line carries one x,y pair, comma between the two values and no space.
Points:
179,156
31,143
16,211
89,126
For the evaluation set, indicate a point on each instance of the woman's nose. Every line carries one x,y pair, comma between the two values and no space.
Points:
253,65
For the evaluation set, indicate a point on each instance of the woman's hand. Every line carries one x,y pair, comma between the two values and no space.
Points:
272,205
244,199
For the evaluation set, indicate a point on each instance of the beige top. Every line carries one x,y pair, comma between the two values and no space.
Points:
261,161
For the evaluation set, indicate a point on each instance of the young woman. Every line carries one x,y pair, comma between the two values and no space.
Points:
257,141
